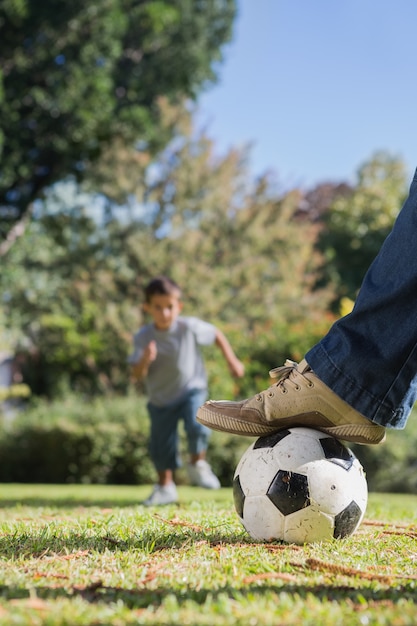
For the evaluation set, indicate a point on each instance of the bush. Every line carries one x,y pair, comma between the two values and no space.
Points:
392,465
76,441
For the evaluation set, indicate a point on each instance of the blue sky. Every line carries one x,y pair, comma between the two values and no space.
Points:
317,86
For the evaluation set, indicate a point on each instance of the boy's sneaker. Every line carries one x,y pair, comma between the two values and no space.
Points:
162,494
299,398
201,475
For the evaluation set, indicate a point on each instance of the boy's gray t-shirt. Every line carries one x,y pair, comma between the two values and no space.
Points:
179,365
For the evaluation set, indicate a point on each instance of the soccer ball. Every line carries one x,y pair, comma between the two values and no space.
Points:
299,486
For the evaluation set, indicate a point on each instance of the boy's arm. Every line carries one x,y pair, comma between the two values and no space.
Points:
140,369
236,367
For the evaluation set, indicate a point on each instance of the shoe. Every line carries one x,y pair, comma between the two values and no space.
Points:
162,494
299,398
202,475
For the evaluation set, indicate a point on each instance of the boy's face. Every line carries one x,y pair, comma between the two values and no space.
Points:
164,310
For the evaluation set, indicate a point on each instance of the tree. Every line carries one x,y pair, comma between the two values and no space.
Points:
77,75
244,257
64,298
357,223
245,260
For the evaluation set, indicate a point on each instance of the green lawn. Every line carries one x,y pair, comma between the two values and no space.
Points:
93,555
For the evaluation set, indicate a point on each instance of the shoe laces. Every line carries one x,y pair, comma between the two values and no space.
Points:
287,374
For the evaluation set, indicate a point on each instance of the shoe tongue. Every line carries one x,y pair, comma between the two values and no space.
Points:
303,367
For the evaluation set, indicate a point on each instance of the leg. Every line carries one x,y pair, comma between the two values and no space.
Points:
163,443
165,477
362,376
199,471
197,435
163,447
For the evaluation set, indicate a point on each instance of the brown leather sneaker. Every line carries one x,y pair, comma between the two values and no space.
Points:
299,398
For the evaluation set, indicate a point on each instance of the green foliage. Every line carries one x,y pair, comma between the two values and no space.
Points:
62,290
356,224
205,214
78,441
391,466
77,75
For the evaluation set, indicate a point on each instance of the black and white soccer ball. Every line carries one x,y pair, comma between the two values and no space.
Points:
299,486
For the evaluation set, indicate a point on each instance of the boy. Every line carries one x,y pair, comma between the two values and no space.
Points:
167,356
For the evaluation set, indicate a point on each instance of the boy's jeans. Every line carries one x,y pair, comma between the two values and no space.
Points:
369,358
164,437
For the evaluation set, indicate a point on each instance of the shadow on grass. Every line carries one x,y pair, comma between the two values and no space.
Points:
97,593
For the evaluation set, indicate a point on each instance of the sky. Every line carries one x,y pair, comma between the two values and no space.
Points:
316,87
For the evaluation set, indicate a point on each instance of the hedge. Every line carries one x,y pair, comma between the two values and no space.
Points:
103,441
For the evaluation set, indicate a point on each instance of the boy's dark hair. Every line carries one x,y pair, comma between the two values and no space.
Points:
163,286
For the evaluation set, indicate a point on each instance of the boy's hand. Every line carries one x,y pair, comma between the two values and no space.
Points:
140,369
150,352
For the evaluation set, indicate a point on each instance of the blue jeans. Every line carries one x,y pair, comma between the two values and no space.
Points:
163,444
369,357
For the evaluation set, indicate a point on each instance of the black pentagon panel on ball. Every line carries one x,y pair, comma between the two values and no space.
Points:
289,492
269,441
346,521
337,453
238,496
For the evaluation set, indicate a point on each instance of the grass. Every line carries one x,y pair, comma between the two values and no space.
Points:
92,555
